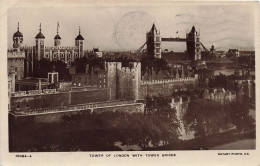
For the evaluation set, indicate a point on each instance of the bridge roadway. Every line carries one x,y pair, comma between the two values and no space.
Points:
72,108
177,39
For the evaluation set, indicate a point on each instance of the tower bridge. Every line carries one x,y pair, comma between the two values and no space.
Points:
154,40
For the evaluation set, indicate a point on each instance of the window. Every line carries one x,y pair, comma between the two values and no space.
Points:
157,44
68,55
54,55
47,55
62,55
75,55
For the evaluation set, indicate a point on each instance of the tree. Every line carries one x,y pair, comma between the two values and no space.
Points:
239,115
205,117
140,130
44,66
62,69
80,64
219,81
167,120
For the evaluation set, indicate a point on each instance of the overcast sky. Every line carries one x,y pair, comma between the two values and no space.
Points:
112,28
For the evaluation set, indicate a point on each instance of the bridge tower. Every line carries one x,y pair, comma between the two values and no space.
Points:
193,44
153,40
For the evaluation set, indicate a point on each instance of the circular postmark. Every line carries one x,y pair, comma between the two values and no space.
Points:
131,30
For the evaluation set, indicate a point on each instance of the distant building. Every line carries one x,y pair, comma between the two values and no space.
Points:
221,54
247,53
233,53
97,53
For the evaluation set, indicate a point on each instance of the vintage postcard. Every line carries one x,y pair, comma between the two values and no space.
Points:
94,83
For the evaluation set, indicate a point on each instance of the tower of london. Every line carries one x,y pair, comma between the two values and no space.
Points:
31,54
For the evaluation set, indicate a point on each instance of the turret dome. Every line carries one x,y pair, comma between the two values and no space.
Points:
18,34
57,37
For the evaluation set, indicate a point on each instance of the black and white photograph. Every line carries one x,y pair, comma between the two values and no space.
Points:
157,77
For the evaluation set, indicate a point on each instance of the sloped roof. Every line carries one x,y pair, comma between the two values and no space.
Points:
57,37
40,35
79,37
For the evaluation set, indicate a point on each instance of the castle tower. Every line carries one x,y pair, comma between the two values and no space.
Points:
79,42
57,38
153,42
39,45
193,45
17,39
136,79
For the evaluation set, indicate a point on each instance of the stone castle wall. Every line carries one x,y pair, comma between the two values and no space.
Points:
165,87
35,101
90,96
21,103
58,117
125,83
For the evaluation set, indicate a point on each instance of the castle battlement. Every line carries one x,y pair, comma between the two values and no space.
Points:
127,70
61,48
27,47
168,80
34,92
14,54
